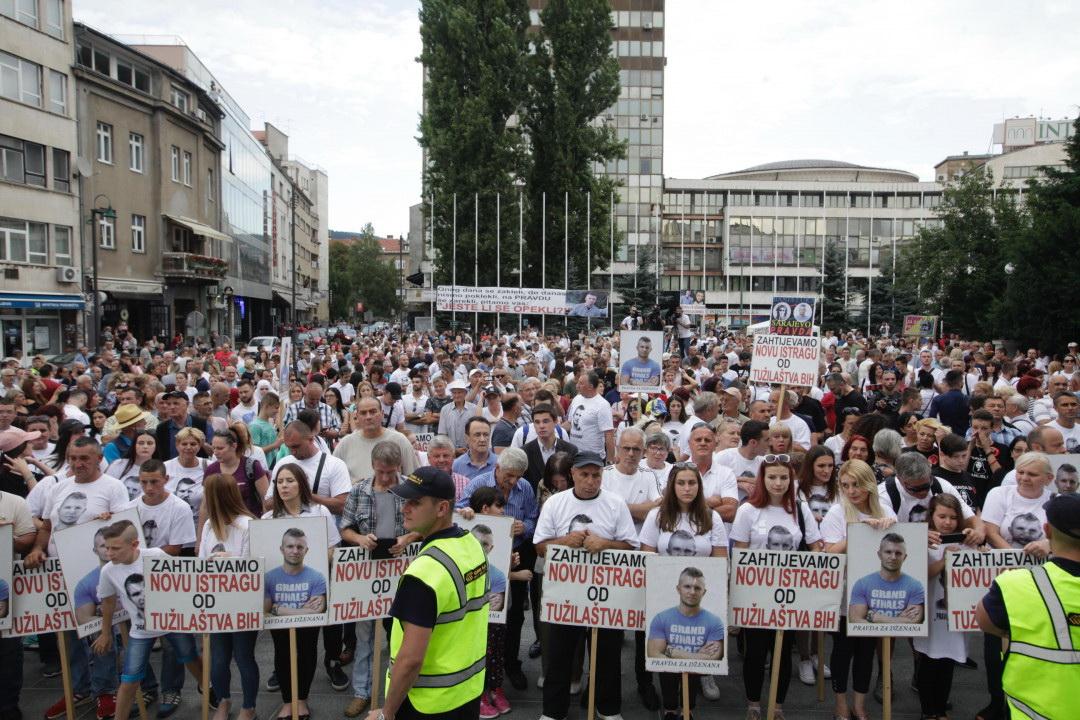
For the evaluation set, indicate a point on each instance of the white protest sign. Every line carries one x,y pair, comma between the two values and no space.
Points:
423,439
286,367
6,541
786,590
362,587
40,602
296,570
203,595
887,580
82,554
531,301
685,606
494,534
785,360
604,589
968,575
641,353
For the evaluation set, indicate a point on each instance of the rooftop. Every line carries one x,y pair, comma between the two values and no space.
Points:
787,166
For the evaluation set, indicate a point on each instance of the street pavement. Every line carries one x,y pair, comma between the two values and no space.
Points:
968,694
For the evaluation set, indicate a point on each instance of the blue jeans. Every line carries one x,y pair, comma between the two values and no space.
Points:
90,673
238,646
137,654
361,672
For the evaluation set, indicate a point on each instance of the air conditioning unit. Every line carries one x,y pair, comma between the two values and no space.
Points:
67,275
647,26
201,114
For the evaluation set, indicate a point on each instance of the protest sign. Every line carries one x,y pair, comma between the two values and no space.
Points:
786,590
530,301
423,439
792,316
1066,468
286,365
39,601
363,582
693,302
920,326
494,534
296,565
6,540
82,553
203,595
968,574
604,589
586,303
640,354
887,580
784,360
685,606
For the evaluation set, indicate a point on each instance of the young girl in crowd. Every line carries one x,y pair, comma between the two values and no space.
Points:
771,518
858,503
126,469
939,652
225,534
817,488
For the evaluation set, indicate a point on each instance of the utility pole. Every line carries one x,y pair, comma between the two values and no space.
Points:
292,235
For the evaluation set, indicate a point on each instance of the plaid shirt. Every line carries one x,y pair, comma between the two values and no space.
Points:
328,419
359,512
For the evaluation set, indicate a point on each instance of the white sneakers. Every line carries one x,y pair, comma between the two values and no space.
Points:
709,688
808,671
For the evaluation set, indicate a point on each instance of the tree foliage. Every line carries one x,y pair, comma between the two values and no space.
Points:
358,273
638,289
834,310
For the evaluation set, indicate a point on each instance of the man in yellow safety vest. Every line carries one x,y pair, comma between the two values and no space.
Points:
1037,612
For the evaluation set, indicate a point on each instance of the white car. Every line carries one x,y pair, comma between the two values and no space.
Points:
269,343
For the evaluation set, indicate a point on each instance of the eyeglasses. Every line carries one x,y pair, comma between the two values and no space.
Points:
918,488
684,465
782,458
627,448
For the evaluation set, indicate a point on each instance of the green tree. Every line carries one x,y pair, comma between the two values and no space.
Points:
833,311
638,289
358,273
573,79
1042,251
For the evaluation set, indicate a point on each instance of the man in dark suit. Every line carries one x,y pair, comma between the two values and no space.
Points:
542,443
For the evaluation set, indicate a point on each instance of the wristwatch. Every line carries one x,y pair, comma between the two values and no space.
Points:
870,616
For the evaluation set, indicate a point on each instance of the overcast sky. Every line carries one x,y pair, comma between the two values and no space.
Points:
892,84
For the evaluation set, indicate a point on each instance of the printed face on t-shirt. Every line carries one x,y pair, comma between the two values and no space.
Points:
579,523
780,538
1066,481
819,506
681,543
72,508
1025,528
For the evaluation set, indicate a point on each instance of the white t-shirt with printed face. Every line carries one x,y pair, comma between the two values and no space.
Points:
772,527
940,642
676,543
590,419
72,503
234,544
113,581
744,469
1071,435
334,481
605,515
660,476
168,523
911,505
1019,519
834,525
633,489
187,483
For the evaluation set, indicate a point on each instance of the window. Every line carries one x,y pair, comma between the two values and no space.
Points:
180,99
104,143
22,162
12,240
54,18
187,168
20,79
175,164
61,160
138,233
37,250
107,232
58,92
62,245
135,150
210,185
24,11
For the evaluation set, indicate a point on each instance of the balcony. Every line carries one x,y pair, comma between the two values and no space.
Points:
193,268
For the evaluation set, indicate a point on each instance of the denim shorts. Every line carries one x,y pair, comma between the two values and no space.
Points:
137,654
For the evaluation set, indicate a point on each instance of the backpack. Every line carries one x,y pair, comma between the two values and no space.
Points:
253,501
894,491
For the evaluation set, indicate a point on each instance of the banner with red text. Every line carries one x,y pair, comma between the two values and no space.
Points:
968,574
363,582
604,589
203,595
39,600
786,590
529,301
785,360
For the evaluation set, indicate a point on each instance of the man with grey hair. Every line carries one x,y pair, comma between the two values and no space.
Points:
706,408
508,480
440,454
909,493
1016,413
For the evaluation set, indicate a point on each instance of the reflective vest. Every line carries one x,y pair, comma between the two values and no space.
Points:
1042,662
452,673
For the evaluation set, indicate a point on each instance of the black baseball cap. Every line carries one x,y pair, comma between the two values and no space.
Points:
587,457
1063,513
426,482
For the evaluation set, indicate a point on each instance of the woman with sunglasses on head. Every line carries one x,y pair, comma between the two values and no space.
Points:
683,524
859,502
772,518
252,481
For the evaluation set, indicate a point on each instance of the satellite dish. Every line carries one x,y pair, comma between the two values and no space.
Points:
83,167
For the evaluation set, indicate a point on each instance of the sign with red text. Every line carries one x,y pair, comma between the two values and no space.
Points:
886,581
39,600
296,570
786,590
363,584
6,542
968,575
604,589
792,316
530,301
784,360
686,607
203,595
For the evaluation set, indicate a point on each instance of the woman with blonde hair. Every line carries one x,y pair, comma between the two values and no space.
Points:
859,502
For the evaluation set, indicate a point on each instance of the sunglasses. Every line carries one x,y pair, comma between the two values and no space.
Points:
781,458
918,488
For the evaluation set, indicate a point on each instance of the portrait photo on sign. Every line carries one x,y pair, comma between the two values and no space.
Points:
640,355
296,566
685,612
1066,473
887,580
6,581
586,303
494,534
82,553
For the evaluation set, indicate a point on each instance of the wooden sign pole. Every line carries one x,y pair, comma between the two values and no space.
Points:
592,675
294,681
774,676
65,674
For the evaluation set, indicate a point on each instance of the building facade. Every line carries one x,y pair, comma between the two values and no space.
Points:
42,298
313,182
152,141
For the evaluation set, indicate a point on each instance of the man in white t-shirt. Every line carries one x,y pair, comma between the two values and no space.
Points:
745,460
801,438
327,476
589,419
718,483
706,408
1066,405
908,494
246,409
626,479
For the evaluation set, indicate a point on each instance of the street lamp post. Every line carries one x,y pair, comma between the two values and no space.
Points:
110,214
